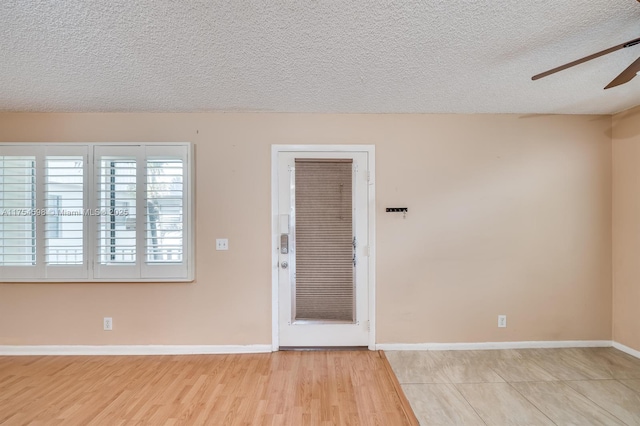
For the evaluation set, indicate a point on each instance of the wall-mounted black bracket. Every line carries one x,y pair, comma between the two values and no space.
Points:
397,209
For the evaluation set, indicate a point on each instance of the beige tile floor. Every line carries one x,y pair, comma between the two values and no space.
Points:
576,386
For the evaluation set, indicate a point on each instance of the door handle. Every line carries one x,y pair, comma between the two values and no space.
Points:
284,265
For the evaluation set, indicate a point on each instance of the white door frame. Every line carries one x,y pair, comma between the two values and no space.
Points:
275,150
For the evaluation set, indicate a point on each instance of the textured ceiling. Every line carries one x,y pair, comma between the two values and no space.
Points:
430,56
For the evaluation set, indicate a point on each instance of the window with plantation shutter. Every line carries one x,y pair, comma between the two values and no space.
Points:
143,202
104,212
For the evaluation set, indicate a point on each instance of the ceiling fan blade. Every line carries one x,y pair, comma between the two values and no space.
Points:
587,58
626,75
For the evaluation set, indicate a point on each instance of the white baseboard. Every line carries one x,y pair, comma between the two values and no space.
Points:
131,349
493,345
39,350
626,349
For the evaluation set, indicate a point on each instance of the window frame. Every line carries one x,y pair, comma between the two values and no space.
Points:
90,270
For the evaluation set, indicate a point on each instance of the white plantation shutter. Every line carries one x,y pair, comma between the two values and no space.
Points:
165,197
117,199
84,212
64,201
38,242
117,210
18,226
166,208
142,200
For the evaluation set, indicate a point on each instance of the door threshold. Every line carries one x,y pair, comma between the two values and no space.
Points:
324,348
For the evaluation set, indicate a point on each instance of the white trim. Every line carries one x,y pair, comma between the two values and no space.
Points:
494,345
371,157
132,349
322,148
40,350
626,349
275,335
372,247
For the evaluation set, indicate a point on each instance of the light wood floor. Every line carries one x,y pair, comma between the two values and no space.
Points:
594,386
284,388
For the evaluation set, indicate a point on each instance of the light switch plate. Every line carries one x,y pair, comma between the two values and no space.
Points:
502,321
222,244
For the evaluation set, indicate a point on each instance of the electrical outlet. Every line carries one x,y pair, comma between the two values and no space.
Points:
107,324
502,321
222,244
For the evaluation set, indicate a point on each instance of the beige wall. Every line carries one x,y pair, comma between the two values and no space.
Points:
626,228
507,215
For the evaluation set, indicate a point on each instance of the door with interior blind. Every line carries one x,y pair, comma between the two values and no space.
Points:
322,248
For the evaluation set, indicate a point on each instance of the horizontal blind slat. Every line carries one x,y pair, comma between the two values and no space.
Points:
324,268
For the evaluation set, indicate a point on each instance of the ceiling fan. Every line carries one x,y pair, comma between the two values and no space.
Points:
624,77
